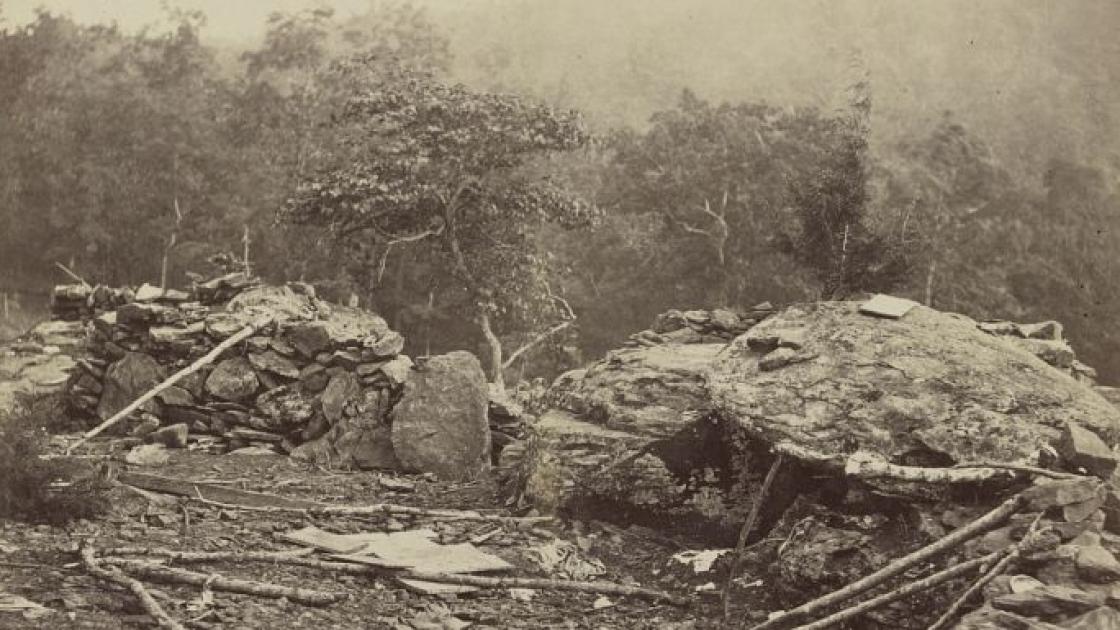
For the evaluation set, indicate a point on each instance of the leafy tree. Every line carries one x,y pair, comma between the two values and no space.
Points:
422,164
830,203
946,189
1068,270
715,179
112,129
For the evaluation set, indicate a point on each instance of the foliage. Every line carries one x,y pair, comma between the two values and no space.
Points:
833,236
32,488
437,167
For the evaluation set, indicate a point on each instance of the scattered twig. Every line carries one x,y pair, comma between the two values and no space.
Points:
207,556
171,575
202,557
1030,470
113,574
916,586
745,532
382,509
1009,555
992,519
605,588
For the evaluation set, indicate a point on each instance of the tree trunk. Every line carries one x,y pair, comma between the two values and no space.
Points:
931,271
495,345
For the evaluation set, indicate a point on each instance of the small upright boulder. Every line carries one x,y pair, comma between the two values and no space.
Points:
440,424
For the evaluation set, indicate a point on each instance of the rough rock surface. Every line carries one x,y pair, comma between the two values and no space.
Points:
440,424
233,380
927,389
125,380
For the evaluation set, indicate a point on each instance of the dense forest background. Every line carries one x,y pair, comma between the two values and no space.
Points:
552,175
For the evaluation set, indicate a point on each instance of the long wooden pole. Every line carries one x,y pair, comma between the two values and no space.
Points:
210,357
990,520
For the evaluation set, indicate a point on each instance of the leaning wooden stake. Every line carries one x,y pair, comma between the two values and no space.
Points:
1010,555
169,575
745,533
73,275
209,358
916,586
992,519
113,574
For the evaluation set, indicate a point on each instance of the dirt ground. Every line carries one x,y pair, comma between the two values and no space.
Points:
41,563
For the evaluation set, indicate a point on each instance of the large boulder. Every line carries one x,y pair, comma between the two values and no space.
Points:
927,389
126,380
670,429
440,424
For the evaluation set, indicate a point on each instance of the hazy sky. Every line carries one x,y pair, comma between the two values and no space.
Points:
227,19
1035,77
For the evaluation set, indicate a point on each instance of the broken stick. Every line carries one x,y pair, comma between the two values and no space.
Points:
1009,555
737,555
990,520
169,575
210,357
113,574
386,509
916,586
605,588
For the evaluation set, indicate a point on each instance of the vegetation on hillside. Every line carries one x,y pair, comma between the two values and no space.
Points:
346,155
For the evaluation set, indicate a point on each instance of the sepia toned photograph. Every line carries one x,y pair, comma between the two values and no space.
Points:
573,314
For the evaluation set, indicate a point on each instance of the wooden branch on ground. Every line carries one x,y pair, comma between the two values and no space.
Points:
386,509
264,557
113,574
867,466
605,588
745,532
210,357
1030,470
1009,555
169,575
992,519
916,586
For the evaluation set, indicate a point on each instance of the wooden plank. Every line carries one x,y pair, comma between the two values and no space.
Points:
210,492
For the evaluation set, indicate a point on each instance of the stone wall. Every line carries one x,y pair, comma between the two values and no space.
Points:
320,381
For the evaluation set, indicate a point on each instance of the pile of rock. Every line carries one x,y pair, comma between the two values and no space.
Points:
873,416
76,302
38,361
1046,341
297,384
700,326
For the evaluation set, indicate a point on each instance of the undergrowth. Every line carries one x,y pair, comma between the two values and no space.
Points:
35,488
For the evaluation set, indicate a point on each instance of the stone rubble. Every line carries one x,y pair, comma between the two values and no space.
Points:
677,428
322,382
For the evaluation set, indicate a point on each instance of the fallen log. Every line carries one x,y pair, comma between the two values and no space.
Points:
233,499
1011,554
170,575
113,574
604,588
203,361
992,519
